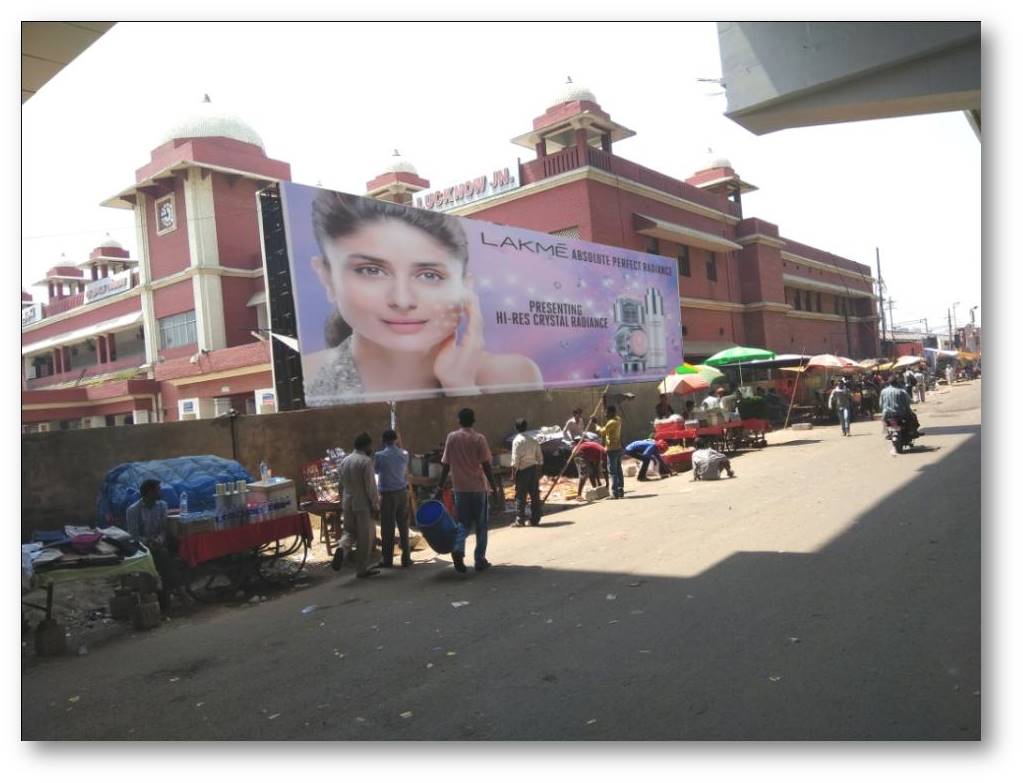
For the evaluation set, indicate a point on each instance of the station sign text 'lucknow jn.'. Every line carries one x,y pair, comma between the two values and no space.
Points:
474,189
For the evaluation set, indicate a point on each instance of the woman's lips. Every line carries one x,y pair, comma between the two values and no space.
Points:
405,327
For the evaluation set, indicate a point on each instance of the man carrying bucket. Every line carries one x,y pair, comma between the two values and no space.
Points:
467,458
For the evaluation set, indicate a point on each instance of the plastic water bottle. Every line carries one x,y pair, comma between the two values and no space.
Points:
183,504
264,471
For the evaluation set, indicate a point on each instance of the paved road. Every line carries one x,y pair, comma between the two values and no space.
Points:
831,591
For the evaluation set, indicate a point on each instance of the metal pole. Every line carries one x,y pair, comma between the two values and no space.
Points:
950,330
795,387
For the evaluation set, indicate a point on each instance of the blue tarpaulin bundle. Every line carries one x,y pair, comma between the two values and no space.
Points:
198,476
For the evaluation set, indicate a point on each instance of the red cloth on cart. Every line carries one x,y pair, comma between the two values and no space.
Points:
200,547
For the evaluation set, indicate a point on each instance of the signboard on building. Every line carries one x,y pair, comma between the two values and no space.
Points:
395,303
473,189
31,314
108,286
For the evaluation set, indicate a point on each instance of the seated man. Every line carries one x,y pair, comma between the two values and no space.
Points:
146,520
895,403
708,463
647,450
589,457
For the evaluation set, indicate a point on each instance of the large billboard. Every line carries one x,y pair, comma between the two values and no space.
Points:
394,302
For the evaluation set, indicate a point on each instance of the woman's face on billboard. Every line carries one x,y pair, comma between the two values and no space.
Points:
395,285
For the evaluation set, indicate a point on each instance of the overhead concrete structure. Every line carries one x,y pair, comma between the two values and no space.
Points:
781,75
46,47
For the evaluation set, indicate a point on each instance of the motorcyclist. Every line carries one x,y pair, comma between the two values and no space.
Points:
895,403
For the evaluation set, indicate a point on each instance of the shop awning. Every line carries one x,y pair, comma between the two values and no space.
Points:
70,338
673,232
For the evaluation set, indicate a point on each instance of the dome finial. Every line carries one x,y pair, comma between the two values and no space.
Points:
396,154
568,80
206,98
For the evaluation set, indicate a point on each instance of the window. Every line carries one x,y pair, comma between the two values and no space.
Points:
653,246
712,267
683,261
684,330
818,302
177,330
797,299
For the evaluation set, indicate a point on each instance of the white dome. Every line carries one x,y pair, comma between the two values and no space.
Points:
571,91
208,120
109,241
720,163
397,163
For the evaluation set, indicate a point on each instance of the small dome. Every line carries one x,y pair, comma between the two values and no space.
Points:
397,163
720,163
208,120
108,241
570,91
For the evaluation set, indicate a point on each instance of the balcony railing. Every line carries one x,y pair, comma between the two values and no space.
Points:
62,305
121,363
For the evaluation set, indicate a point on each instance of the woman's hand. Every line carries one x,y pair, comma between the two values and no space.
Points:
456,365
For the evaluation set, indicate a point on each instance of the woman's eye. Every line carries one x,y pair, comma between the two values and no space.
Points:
430,276
370,271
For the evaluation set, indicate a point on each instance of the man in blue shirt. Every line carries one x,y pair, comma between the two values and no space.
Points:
647,450
391,465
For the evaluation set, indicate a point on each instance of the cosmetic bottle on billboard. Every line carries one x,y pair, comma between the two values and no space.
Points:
657,356
631,340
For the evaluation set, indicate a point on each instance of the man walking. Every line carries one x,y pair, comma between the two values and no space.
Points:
921,384
360,503
527,461
840,400
612,434
391,466
467,459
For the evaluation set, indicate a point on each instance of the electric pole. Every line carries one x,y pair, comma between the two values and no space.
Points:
880,289
891,317
950,345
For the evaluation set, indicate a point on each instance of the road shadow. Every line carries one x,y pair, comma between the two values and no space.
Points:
559,523
800,442
875,634
958,429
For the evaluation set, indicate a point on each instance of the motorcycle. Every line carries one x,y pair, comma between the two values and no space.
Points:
900,432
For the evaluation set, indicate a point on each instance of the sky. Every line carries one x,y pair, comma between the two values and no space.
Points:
334,100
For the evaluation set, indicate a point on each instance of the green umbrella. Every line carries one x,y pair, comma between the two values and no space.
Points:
685,369
738,355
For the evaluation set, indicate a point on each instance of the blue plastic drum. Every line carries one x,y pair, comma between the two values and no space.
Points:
437,526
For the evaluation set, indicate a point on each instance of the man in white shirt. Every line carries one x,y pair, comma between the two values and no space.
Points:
708,463
921,385
712,400
527,461
573,428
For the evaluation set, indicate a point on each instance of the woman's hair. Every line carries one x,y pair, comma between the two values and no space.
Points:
338,215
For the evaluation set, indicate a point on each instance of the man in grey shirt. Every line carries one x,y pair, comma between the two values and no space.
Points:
360,502
146,520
